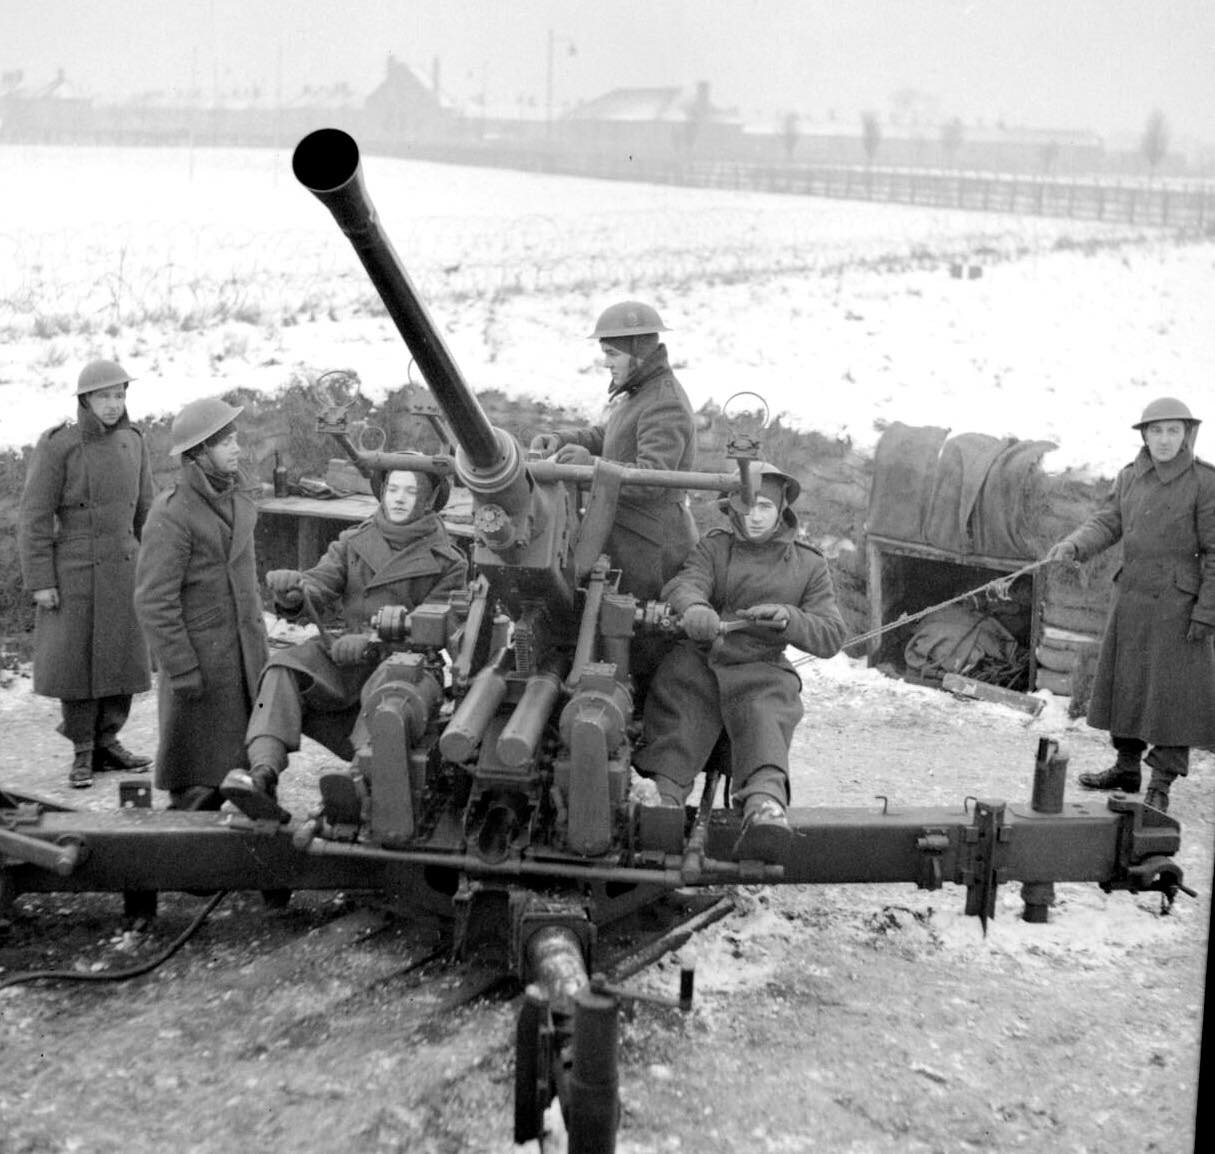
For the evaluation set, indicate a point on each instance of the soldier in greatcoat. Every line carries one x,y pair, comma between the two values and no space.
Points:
87,493
401,555
649,425
756,571
200,607
1155,680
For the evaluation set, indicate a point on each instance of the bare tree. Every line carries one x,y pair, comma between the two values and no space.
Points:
1154,144
792,130
951,139
871,135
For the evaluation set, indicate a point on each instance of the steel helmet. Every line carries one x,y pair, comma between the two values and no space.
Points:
101,375
627,319
199,419
761,471
440,484
1165,409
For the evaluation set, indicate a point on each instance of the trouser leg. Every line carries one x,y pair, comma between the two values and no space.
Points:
1130,751
764,780
1173,760
112,714
278,711
1167,762
79,722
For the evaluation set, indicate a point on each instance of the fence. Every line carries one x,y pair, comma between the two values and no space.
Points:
1184,205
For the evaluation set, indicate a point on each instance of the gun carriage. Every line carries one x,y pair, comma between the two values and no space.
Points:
493,786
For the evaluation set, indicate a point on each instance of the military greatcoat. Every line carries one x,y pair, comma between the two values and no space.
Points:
361,573
200,607
742,681
1151,683
649,425
87,493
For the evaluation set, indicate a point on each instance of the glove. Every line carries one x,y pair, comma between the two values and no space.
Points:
778,615
1063,551
545,444
188,686
287,586
1199,632
47,598
700,622
350,648
574,455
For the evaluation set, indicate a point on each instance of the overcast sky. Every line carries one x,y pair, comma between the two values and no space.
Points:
1099,64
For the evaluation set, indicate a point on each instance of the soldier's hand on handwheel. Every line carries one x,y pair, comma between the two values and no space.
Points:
546,444
700,622
776,616
574,455
287,585
47,598
349,649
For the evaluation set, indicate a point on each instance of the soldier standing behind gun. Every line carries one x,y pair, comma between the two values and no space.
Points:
1155,681
198,602
86,496
649,426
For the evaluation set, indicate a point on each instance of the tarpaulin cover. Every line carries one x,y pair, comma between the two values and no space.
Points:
963,494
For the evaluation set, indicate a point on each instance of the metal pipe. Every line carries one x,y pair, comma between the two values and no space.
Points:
326,162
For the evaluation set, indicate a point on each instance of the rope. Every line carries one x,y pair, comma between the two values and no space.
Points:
1000,587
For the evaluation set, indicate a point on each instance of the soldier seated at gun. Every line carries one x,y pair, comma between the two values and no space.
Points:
401,555
755,571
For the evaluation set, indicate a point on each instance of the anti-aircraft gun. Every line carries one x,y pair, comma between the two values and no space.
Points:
496,786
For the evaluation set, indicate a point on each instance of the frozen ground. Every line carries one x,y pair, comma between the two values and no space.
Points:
205,271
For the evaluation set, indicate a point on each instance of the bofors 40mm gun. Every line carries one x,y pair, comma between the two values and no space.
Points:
496,788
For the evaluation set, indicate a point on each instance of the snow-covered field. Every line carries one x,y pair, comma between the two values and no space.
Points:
207,270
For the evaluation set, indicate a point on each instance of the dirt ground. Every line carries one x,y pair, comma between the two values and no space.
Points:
837,1018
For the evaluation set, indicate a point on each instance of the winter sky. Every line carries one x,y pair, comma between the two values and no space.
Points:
1103,65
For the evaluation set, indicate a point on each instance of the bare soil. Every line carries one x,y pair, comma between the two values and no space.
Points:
836,1018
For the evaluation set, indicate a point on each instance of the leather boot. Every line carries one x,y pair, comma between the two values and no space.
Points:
255,793
80,776
1157,795
1124,775
765,832
115,756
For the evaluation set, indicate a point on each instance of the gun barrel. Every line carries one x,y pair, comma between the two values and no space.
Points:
326,162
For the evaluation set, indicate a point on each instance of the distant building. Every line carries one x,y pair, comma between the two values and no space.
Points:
653,124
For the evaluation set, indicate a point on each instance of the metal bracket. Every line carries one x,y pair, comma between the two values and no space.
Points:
986,841
134,795
932,843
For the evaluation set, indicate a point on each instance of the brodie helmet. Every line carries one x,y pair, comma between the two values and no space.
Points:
199,419
758,472
1165,409
627,319
440,485
101,375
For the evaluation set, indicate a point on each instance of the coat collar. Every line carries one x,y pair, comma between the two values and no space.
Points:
655,365
91,426
1169,470
388,565
244,511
